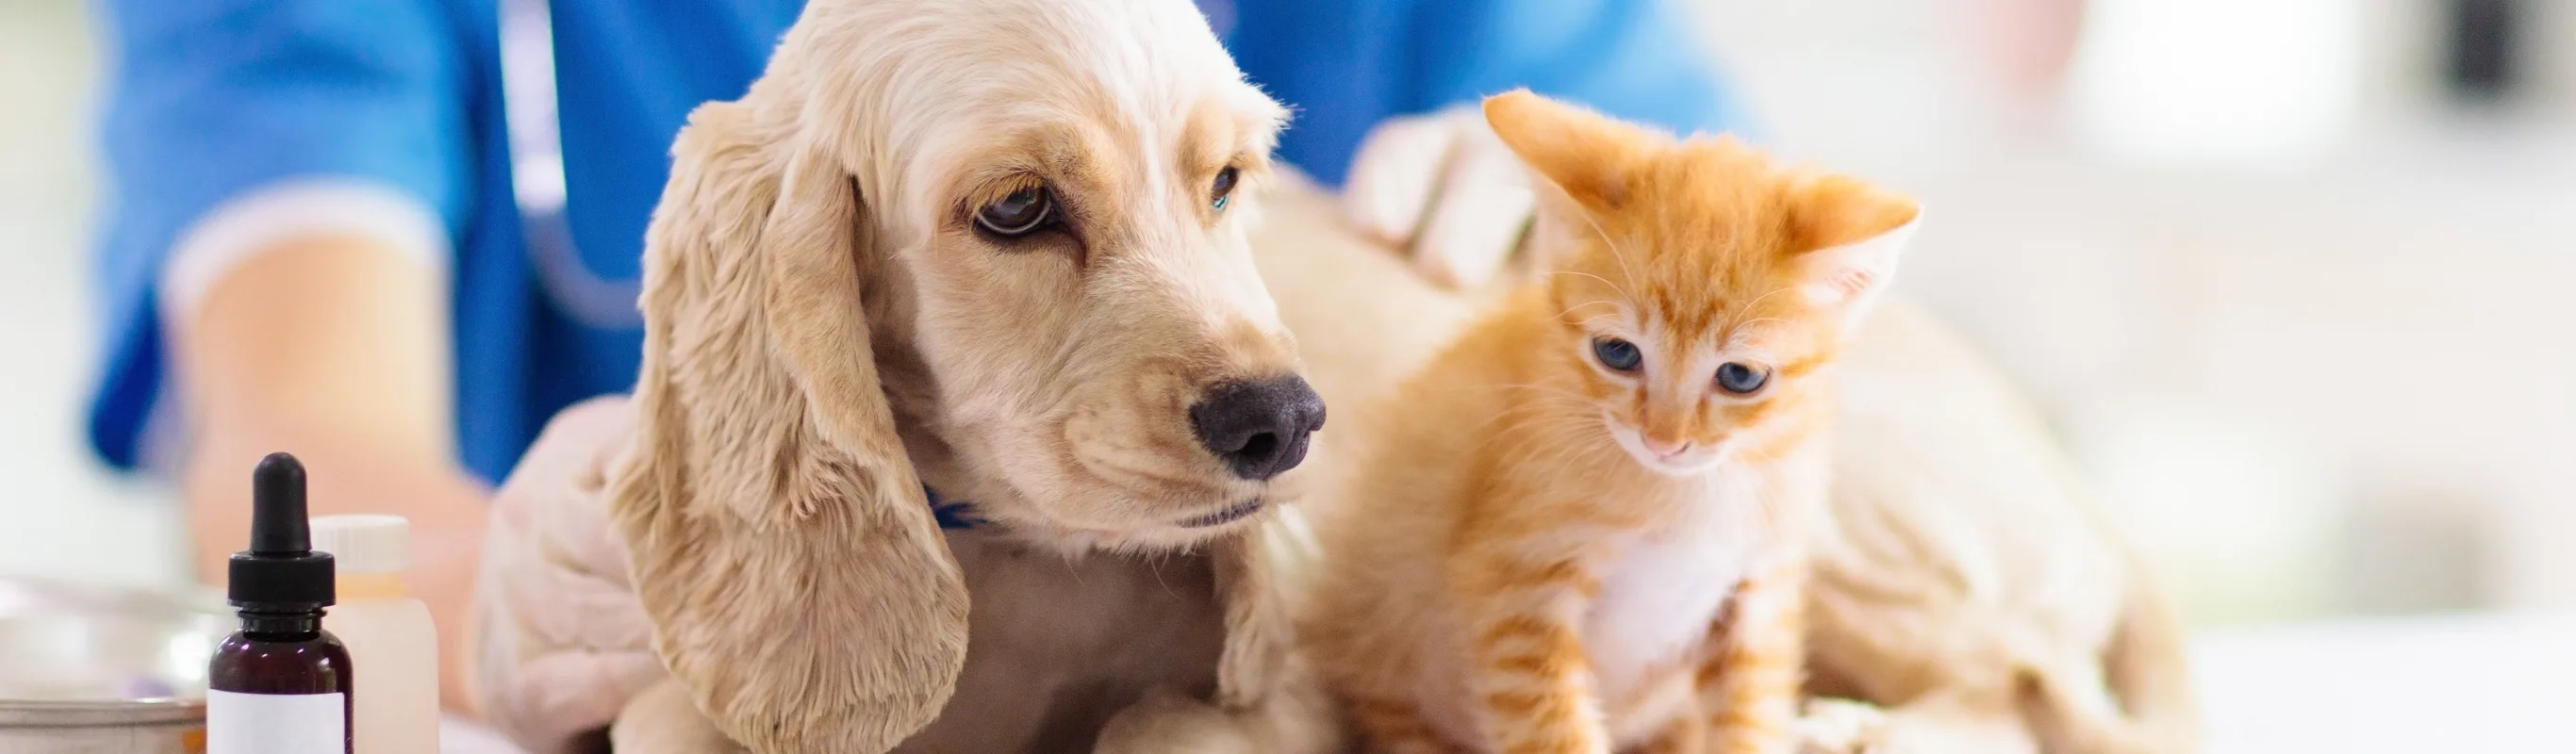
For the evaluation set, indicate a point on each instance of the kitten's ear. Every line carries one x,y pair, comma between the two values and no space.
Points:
1587,155
1850,235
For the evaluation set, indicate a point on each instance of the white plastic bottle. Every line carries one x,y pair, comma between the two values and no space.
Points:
388,634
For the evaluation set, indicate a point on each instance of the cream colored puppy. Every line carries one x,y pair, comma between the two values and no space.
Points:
997,248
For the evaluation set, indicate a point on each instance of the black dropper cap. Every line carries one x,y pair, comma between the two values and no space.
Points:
280,573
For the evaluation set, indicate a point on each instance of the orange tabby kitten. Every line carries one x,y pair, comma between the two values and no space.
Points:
1578,531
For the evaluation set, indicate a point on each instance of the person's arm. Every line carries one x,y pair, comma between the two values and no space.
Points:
284,177
335,348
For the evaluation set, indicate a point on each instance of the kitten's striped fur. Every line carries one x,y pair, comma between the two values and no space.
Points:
1548,554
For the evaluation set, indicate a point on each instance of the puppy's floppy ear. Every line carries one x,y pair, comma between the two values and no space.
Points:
780,541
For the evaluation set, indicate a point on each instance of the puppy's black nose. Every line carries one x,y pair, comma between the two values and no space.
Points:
1259,429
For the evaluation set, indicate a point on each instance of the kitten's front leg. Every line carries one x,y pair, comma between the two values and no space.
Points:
1530,681
1395,726
1748,683
1684,734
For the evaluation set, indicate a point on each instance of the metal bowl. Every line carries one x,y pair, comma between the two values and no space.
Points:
89,669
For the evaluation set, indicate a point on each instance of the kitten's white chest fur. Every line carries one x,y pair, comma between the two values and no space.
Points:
1662,591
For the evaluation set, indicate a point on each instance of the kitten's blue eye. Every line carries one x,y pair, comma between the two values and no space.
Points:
1619,355
1739,379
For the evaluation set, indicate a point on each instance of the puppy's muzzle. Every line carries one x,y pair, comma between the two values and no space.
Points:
1258,428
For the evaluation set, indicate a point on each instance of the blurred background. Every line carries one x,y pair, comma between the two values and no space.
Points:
2289,274
2292,276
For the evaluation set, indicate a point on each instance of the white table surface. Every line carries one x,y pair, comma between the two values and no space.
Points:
2448,684
2464,685
457,736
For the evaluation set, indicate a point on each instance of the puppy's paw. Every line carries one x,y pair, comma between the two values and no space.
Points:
1841,726
1168,722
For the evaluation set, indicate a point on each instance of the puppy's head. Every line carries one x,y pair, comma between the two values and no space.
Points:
1062,204
1002,238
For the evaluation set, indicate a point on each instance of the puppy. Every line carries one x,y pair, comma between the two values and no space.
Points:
1967,588
995,250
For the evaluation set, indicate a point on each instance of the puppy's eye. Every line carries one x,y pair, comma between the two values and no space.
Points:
1223,188
1740,378
1018,213
1618,355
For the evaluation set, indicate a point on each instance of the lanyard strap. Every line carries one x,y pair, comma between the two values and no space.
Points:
537,174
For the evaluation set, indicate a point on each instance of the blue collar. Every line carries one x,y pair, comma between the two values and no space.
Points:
952,514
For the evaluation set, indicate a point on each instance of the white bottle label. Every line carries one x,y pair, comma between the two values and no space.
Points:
238,723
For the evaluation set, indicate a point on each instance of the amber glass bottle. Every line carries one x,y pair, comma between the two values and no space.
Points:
280,685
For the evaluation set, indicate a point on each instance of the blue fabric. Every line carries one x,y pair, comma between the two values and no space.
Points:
212,97
1347,64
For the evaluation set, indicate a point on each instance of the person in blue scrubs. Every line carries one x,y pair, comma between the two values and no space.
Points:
314,240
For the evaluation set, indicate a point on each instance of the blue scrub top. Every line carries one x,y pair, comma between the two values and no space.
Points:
210,98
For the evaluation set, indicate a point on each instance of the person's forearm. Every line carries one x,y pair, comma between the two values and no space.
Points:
334,348
337,334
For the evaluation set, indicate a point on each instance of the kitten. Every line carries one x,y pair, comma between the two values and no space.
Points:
1578,527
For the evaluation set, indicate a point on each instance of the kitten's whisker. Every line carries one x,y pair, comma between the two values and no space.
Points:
1590,438
1543,428
1747,308
1623,292
1544,389
1557,448
1588,320
1626,269
1531,428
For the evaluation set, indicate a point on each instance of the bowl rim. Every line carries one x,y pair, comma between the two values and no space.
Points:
88,713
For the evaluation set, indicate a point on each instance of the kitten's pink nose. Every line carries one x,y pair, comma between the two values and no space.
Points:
1667,448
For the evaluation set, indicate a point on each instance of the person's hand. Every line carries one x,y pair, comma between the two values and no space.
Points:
562,641
1443,189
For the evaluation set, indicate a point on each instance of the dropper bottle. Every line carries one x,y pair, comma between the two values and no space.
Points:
280,685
